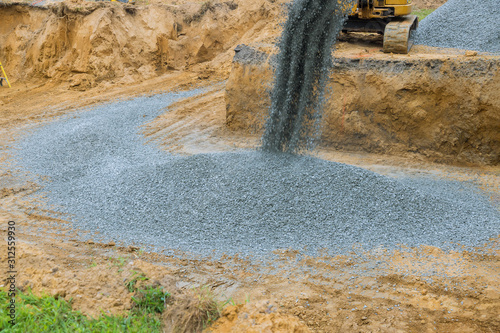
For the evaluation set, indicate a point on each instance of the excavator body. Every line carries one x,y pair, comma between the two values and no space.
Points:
388,17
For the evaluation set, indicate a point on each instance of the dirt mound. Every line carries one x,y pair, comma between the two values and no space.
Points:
87,43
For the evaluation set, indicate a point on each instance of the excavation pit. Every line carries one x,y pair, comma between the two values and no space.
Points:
439,103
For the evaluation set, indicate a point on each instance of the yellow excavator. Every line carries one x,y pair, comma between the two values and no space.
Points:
388,17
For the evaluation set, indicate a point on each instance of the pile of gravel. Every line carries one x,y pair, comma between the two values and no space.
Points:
101,170
463,24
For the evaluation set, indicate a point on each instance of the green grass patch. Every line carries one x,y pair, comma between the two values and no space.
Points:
51,315
422,13
150,300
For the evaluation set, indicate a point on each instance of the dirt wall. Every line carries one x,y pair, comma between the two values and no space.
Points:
86,43
446,109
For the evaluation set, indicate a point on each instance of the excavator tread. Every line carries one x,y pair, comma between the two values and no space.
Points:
398,35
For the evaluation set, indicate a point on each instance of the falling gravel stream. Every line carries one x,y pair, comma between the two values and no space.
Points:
303,64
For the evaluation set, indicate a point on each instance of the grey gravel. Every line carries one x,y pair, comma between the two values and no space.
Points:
248,56
463,24
101,171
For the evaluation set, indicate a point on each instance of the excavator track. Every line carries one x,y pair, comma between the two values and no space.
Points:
399,34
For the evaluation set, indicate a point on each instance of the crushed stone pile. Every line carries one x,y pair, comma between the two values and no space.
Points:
102,172
463,24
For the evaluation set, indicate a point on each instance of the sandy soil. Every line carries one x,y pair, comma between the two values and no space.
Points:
422,289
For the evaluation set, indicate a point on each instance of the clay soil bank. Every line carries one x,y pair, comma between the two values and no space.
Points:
439,104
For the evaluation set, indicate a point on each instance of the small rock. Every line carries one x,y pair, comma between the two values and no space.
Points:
58,293
470,53
45,281
133,248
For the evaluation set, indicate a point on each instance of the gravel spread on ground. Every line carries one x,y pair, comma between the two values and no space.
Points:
463,24
102,172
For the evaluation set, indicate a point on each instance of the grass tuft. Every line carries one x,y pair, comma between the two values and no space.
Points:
192,311
208,306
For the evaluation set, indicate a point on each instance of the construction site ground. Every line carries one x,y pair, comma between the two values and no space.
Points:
459,292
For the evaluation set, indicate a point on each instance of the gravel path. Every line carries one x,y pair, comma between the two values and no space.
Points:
101,170
463,24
